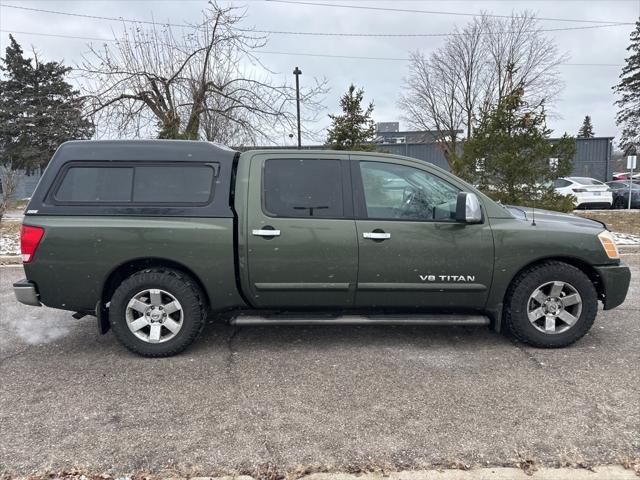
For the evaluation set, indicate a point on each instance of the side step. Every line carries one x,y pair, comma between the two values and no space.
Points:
422,319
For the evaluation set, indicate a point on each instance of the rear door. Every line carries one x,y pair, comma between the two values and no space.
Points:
302,245
412,252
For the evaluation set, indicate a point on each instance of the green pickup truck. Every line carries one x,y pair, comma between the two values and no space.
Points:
152,237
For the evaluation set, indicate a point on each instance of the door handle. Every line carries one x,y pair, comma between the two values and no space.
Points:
266,233
376,235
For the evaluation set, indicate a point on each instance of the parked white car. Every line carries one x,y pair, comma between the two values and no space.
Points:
588,192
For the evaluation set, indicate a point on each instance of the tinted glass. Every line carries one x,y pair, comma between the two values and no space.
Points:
560,183
173,184
303,188
406,193
96,184
586,181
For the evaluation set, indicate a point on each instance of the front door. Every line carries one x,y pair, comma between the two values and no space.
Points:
302,245
412,252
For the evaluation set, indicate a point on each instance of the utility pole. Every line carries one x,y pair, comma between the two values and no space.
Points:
297,72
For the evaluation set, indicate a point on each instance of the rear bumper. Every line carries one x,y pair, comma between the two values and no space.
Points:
589,199
26,292
615,284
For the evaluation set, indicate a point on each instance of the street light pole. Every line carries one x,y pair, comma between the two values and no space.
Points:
297,72
631,164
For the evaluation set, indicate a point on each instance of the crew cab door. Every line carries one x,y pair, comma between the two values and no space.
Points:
301,235
412,252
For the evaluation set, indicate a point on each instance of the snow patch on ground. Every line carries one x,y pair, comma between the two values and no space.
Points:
10,244
626,239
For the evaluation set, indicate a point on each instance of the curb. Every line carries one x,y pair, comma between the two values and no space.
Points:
610,472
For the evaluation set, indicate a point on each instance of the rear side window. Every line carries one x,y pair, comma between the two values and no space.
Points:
586,181
96,184
173,184
139,184
303,188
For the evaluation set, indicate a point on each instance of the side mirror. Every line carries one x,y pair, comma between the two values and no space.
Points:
468,208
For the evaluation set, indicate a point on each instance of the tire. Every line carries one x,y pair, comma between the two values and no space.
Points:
525,298
175,312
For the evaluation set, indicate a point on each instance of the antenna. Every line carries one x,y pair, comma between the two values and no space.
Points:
533,212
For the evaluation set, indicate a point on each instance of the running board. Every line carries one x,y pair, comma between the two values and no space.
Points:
436,320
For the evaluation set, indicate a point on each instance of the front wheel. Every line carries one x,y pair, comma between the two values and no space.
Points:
157,312
550,305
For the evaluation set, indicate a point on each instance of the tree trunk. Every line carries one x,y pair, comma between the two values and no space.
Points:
8,179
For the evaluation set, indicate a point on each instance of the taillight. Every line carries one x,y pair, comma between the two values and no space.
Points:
579,190
29,240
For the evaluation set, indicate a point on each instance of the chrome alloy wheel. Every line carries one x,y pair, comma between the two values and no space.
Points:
554,307
154,315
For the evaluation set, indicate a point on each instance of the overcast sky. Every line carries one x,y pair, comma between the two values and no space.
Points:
587,91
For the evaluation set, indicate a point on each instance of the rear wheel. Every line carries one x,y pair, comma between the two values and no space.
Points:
157,312
552,304
618,203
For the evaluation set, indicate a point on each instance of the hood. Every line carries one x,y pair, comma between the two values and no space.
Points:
548,217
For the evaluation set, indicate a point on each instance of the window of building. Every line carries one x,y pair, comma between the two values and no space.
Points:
303,188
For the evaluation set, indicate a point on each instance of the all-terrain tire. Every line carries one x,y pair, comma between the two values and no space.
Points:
525,284
177,284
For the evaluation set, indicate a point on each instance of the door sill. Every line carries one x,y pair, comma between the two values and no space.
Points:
410,319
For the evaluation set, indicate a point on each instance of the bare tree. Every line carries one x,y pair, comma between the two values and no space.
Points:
521,55
430,102
158,78
9,184
478,65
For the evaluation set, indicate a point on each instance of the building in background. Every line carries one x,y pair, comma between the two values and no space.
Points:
592,159
389,132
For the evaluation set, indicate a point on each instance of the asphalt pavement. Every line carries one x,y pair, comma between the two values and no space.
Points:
339,397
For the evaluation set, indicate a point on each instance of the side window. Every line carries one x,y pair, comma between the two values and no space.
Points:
173,184
137,184
398,192
560,183
303,188
96,184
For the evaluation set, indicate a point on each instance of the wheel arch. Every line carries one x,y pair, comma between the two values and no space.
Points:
581,265
128,268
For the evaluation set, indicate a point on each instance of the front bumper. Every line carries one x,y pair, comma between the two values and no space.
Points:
615,281
26,292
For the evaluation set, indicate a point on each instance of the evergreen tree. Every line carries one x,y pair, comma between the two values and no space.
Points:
354,129
629,95
510,155
39,110
586,130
